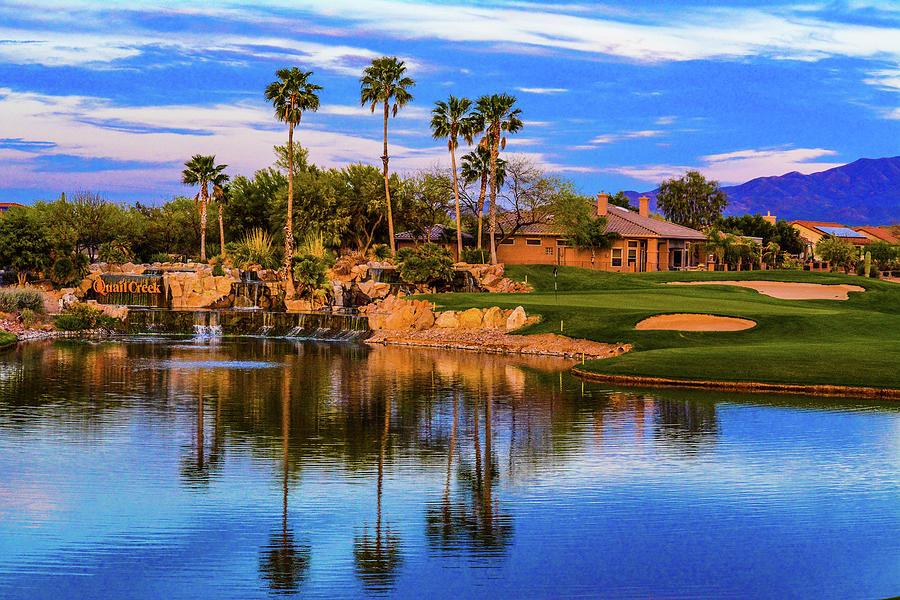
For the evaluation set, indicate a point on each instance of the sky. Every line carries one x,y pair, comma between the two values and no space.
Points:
114,97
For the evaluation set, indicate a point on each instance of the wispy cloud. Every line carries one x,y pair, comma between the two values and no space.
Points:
666,120
885,79
738,167
542,90
626,135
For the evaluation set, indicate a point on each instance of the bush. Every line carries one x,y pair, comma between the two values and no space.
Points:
159,257
789,263
63,271
78,317
310,273
381,252
874,273
14,300
29,318
218,271
255,249
474,256
426,264
115,252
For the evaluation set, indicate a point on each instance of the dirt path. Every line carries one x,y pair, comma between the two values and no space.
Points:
788,290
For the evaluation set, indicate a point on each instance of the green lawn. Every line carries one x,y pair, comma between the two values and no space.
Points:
7,339
853,342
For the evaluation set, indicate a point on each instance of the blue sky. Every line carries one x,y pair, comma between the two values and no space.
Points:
114,97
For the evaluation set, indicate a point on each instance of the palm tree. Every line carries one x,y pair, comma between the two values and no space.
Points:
495,115
383,81
291,95
218,187
201,170
449,121
476,165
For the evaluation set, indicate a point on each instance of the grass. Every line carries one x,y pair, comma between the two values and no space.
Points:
7,340
814,342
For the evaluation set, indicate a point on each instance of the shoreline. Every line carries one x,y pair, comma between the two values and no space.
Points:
840,391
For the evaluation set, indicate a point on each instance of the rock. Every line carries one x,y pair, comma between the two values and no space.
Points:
516,319
470,319
493,319
424,319
297,305
116,312
401,319
67,298
223,284
447,320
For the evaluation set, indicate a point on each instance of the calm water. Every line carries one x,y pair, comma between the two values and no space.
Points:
177,468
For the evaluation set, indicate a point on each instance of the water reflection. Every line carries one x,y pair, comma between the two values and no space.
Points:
396,471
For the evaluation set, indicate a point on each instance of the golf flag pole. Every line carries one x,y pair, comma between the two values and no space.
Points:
555,287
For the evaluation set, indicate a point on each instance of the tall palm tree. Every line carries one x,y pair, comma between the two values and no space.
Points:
449,121
201,170
218,188
496,116
476,165
291,95
383,81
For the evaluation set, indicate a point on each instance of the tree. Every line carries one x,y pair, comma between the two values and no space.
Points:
201,170
220,193
383,81
476,166
574,214
691,201
449,121
884,254
25,243
495,115
529,196
291,95
620,199
426,202
781,233
837,252
426,264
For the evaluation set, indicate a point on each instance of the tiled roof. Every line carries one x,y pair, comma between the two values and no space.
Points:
882,233
626,223
438,233
830,229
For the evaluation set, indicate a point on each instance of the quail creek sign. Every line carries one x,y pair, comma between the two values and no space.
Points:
122,287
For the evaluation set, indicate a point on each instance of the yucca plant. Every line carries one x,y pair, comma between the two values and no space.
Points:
314,245
256,249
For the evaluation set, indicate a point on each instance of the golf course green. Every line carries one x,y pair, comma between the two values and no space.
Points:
854,342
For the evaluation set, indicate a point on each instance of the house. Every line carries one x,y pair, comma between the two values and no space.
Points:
646,243
5,206
891,235
442,235
813,231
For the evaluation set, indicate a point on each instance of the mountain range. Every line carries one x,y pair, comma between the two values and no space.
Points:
864,192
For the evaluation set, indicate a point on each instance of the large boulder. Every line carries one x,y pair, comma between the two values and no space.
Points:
447,320
493,319
516,319
402,318
424,319
470,319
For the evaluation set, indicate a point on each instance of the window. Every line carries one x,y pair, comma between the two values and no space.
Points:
508,241
561,242
533,242
617,257
632,252
548,251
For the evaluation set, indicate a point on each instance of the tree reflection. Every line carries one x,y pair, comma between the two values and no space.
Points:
197,470
686,422
284,563
378,557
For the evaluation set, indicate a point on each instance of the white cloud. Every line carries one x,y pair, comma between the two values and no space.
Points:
542,90
665,120
626,135
885,79
738,167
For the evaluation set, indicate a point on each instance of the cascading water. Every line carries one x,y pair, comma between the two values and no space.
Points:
206,324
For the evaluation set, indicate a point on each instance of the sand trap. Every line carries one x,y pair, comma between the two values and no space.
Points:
787,290
690,322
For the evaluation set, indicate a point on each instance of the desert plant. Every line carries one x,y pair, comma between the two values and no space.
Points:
218,271
160,257
310,274
29,318
14,300
426,264
476,256
789,263
381,252
314,245
255,248
115,252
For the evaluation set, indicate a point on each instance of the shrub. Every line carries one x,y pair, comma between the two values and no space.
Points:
837,252
381,252
63,271
789,263
426,264
14,300
314,245
475,256
255,249
218,271
310,273
115,252
29,318
159,257
78,317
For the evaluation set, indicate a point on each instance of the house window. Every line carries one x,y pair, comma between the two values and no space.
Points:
548,251
533,241
632,252
617,257
561,242
508,241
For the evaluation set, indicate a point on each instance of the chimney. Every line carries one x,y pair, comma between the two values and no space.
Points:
644,209
602,204
770,218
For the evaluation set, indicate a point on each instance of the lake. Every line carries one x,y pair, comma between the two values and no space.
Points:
249,468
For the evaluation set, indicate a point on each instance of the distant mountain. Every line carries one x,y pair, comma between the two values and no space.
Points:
864,192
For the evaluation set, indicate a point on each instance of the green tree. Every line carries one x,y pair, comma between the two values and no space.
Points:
291,95
781,233
884,254
384,82
574,214
691,201
620,199
836,251
476,166
426,202
25,243
201,170
449,120
220,193
496,116
425,264
252,202
310,274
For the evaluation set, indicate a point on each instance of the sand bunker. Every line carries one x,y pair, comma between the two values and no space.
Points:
787,290
690,322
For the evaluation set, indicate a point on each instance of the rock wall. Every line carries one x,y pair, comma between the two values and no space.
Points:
395,313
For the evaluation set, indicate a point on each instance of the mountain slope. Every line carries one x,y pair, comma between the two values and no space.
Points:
864,192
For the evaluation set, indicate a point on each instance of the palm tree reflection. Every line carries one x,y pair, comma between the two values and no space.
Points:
284,563
198,470
378,558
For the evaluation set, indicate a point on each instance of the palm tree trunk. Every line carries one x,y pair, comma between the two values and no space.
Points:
495,143
203,200
459,246
387,189
221,231
289,224
481,198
